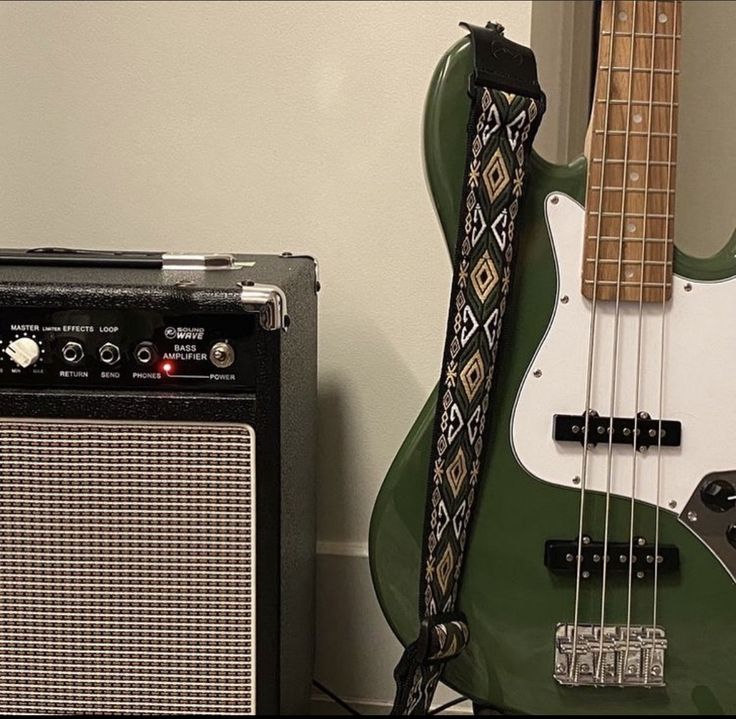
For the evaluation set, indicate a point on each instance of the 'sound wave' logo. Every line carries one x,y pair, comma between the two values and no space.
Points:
184,333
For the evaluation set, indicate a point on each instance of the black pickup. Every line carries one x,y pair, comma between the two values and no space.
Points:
560,557
571,428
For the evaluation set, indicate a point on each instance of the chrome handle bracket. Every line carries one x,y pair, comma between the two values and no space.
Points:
268,301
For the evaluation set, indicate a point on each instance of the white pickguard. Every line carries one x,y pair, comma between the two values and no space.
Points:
699,379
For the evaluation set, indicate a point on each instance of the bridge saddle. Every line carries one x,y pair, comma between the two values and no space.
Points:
625,658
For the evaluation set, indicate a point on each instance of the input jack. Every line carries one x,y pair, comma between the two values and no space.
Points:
72,352
109,354
145,353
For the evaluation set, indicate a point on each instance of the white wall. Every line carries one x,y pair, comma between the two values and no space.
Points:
253,127
260,127
267,127
705,214
562,38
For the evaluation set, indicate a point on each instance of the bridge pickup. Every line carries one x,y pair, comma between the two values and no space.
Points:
560,557
571,428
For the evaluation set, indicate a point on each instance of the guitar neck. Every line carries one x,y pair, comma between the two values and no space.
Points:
630,196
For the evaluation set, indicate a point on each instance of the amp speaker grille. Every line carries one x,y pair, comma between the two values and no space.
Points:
127,566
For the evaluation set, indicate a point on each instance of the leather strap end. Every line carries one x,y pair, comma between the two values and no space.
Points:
501,63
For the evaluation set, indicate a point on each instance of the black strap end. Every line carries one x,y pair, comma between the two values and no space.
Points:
502,64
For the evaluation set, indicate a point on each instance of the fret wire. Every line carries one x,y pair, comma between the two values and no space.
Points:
610,238
616,161
655,70
648,35
624,283
637,261
637,133
608,188
610,213
639,102
655,103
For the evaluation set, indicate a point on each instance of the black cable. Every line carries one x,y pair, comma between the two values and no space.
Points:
335,698
442,708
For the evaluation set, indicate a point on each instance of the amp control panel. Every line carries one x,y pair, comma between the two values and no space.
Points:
127,349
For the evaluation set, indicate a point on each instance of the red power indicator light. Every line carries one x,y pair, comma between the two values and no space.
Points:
167,367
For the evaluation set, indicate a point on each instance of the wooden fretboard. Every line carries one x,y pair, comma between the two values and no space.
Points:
630,197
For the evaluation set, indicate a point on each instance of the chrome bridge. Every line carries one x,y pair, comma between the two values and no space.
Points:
636,660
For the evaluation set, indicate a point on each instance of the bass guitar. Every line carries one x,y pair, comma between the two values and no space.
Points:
600,574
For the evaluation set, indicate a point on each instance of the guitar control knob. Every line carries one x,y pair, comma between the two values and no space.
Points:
731,535
718,495
24,351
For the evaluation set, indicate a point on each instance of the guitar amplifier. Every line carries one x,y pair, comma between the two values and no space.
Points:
157,418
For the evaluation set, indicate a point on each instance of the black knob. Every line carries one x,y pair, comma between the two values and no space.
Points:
731,535
718,495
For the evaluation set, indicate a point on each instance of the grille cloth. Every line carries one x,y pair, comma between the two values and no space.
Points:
126,567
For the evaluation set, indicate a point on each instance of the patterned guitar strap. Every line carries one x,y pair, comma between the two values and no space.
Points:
506,107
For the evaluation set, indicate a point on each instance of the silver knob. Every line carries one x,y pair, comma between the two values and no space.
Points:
24,351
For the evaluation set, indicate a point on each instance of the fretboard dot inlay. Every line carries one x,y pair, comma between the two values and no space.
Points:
637,118
662,18
631,227
622,16
634,176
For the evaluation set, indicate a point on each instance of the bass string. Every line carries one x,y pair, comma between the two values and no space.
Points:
616,334
673,73
642,267
591,347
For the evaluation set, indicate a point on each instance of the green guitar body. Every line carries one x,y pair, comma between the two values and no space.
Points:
512,601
